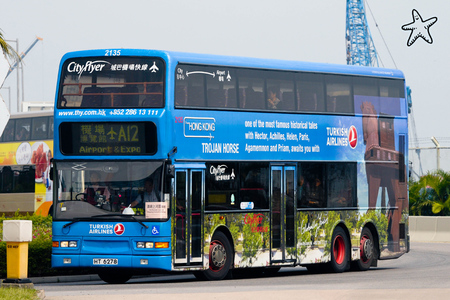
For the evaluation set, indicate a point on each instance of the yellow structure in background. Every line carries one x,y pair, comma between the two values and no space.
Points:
17,234
16,260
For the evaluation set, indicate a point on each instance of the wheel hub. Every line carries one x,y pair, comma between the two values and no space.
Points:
366,249
218,255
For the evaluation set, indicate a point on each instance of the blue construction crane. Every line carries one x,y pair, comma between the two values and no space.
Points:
23,54
360,47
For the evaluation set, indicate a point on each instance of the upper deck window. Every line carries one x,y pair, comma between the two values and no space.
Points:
201,86
8,133
104,82
252,89
25,129
339,95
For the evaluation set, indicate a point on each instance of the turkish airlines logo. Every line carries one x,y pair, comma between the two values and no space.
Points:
119,229
352,137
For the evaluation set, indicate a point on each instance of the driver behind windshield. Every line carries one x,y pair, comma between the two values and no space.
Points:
149,194
95,191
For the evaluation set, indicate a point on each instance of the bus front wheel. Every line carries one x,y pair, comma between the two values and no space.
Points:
220,257
340,247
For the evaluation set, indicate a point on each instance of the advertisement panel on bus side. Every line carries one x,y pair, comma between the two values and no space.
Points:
37,153
209,135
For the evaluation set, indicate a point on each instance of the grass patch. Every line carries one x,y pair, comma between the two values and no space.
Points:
13,293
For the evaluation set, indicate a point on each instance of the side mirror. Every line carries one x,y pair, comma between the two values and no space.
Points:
170,171
169,175
51,169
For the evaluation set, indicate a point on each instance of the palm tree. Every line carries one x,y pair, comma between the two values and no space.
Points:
8,51
441,204
430,195
419,202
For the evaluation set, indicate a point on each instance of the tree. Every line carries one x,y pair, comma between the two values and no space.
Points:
8,51
419,200
430,195
441,188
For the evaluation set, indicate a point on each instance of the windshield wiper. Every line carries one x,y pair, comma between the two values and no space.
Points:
140,222
75,221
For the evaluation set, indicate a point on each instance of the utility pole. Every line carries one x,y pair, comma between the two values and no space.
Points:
18,75
19,66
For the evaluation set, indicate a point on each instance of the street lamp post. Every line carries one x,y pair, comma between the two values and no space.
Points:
438,152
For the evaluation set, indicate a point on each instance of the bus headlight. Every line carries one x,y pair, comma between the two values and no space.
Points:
142,245
68,244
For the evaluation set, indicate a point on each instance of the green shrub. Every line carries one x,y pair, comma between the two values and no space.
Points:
39,249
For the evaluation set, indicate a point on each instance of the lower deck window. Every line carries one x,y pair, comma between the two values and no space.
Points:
17,179
238,186
323,185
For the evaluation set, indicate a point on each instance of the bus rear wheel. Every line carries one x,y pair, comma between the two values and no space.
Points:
114,277
220,257
366,250
340,247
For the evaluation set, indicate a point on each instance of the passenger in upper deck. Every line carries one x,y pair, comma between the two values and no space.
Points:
63,101
273,100
22,134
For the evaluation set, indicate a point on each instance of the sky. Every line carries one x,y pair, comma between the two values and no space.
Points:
285,29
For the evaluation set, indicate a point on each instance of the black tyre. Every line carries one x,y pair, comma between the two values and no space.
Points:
367,250
114,277
200,275
220,257
340,251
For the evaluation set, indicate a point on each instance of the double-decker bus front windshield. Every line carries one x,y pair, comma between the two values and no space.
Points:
92,188
109,82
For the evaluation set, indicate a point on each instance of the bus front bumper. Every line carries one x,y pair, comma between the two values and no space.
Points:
159,262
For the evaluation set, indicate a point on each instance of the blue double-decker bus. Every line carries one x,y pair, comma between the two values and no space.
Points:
169,161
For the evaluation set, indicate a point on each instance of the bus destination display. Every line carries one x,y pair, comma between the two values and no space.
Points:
108,138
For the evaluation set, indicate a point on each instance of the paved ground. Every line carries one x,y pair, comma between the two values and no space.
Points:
289,294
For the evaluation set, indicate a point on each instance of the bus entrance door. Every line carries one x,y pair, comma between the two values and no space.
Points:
188,217
283,248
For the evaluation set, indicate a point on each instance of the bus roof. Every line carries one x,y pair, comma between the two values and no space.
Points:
235,61
31,114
